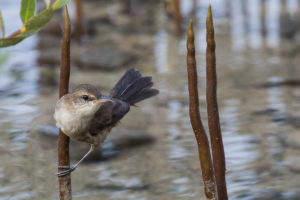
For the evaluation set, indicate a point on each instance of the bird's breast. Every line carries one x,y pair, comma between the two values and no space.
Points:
71,123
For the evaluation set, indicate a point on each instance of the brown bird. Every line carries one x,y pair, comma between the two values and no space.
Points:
87,115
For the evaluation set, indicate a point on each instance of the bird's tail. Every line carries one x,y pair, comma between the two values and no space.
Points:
133,88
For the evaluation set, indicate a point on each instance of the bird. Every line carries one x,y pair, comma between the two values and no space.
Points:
86,115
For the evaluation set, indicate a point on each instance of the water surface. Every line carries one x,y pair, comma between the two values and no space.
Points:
258,91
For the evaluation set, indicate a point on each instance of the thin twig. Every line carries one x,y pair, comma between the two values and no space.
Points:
65,192
201,137
212,110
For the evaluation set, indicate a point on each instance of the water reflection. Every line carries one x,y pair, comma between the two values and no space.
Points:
292,6
275,94
272,25
160,51
238,25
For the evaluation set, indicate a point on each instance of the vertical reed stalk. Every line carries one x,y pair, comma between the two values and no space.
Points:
195,118
65,191
212,110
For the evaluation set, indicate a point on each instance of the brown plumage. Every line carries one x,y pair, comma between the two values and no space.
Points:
87,115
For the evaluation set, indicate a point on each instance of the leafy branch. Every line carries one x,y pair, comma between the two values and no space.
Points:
32,22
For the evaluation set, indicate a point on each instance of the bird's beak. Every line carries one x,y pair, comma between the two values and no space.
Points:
101,101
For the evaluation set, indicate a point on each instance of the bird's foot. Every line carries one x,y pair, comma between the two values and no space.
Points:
73,167
66,172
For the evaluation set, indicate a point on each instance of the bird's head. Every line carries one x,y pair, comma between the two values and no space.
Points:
84,101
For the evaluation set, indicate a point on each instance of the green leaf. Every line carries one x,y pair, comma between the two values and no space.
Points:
27,10
11,41
31,27
39,20
2,25
59,3
32,23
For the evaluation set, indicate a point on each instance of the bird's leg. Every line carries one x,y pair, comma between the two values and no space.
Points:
73,167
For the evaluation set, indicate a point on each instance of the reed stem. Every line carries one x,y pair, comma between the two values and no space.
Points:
213,111
65,190
195,118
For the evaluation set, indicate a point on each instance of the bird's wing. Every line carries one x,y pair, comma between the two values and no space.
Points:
109,114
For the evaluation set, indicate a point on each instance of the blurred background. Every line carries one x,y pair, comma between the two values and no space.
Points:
152,154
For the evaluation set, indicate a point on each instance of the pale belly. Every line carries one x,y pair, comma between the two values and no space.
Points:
78,129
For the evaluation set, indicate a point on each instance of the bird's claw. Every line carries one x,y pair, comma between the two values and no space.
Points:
73,167
64,167
66,172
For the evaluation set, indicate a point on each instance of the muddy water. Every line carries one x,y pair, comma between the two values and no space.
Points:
152,154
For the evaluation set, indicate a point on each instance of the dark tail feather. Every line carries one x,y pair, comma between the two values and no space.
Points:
132,87
143,94
130,76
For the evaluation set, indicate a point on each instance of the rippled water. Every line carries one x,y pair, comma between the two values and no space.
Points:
259,98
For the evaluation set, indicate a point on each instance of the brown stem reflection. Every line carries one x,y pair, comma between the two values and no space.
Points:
177,16
173,10
78,27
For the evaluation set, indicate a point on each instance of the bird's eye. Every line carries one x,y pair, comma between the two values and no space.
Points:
85,97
